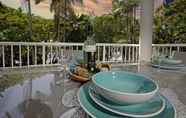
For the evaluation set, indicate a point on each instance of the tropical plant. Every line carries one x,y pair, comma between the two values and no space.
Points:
63,11
13,26
124,11
124,5
170,23
103,28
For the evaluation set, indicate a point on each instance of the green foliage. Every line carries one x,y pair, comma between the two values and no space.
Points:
63,12
126,25
120,26
115,29
124,6
14,26
107,28
170,23
76,28
103,28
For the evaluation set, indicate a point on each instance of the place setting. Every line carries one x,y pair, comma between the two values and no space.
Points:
120,94
168,62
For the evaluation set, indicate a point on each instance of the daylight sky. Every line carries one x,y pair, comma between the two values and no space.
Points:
99,8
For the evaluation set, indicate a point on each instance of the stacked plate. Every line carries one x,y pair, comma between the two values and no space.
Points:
168,63
124,95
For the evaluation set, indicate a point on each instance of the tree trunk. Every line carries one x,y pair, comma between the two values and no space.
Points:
57,23
30,20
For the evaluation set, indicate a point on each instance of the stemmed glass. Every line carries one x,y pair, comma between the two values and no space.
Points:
64,60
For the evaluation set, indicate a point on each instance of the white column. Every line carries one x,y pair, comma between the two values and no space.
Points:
146,31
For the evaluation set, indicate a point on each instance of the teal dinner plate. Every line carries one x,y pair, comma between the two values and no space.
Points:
169,67
95,111
150,108
171,61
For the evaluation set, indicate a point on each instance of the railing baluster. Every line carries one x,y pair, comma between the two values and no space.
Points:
163,50
64,51
122,52
61,53
158,51
178,48
136,54
170,51
132,53
43,54
3,52
12,56
51,54
35,49
103,54
98,54
20,59
125,54
58,53
109,53
28,55
71,51
129,54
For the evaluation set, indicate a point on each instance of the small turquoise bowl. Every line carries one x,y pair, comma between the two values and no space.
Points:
124,87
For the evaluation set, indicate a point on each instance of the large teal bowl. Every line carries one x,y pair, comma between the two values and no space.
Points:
124,87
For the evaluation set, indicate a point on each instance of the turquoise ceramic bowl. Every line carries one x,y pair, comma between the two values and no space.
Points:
147,109
95,111
124,87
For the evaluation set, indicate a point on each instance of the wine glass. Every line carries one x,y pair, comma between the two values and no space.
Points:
65,57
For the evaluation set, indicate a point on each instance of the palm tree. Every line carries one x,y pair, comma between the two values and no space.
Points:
126,8
61,9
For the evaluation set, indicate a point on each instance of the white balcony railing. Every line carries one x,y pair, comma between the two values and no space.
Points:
118,53
168,49
20,54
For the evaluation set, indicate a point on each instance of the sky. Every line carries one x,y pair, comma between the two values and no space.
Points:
99,8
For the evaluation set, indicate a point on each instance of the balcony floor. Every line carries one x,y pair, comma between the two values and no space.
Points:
43,92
